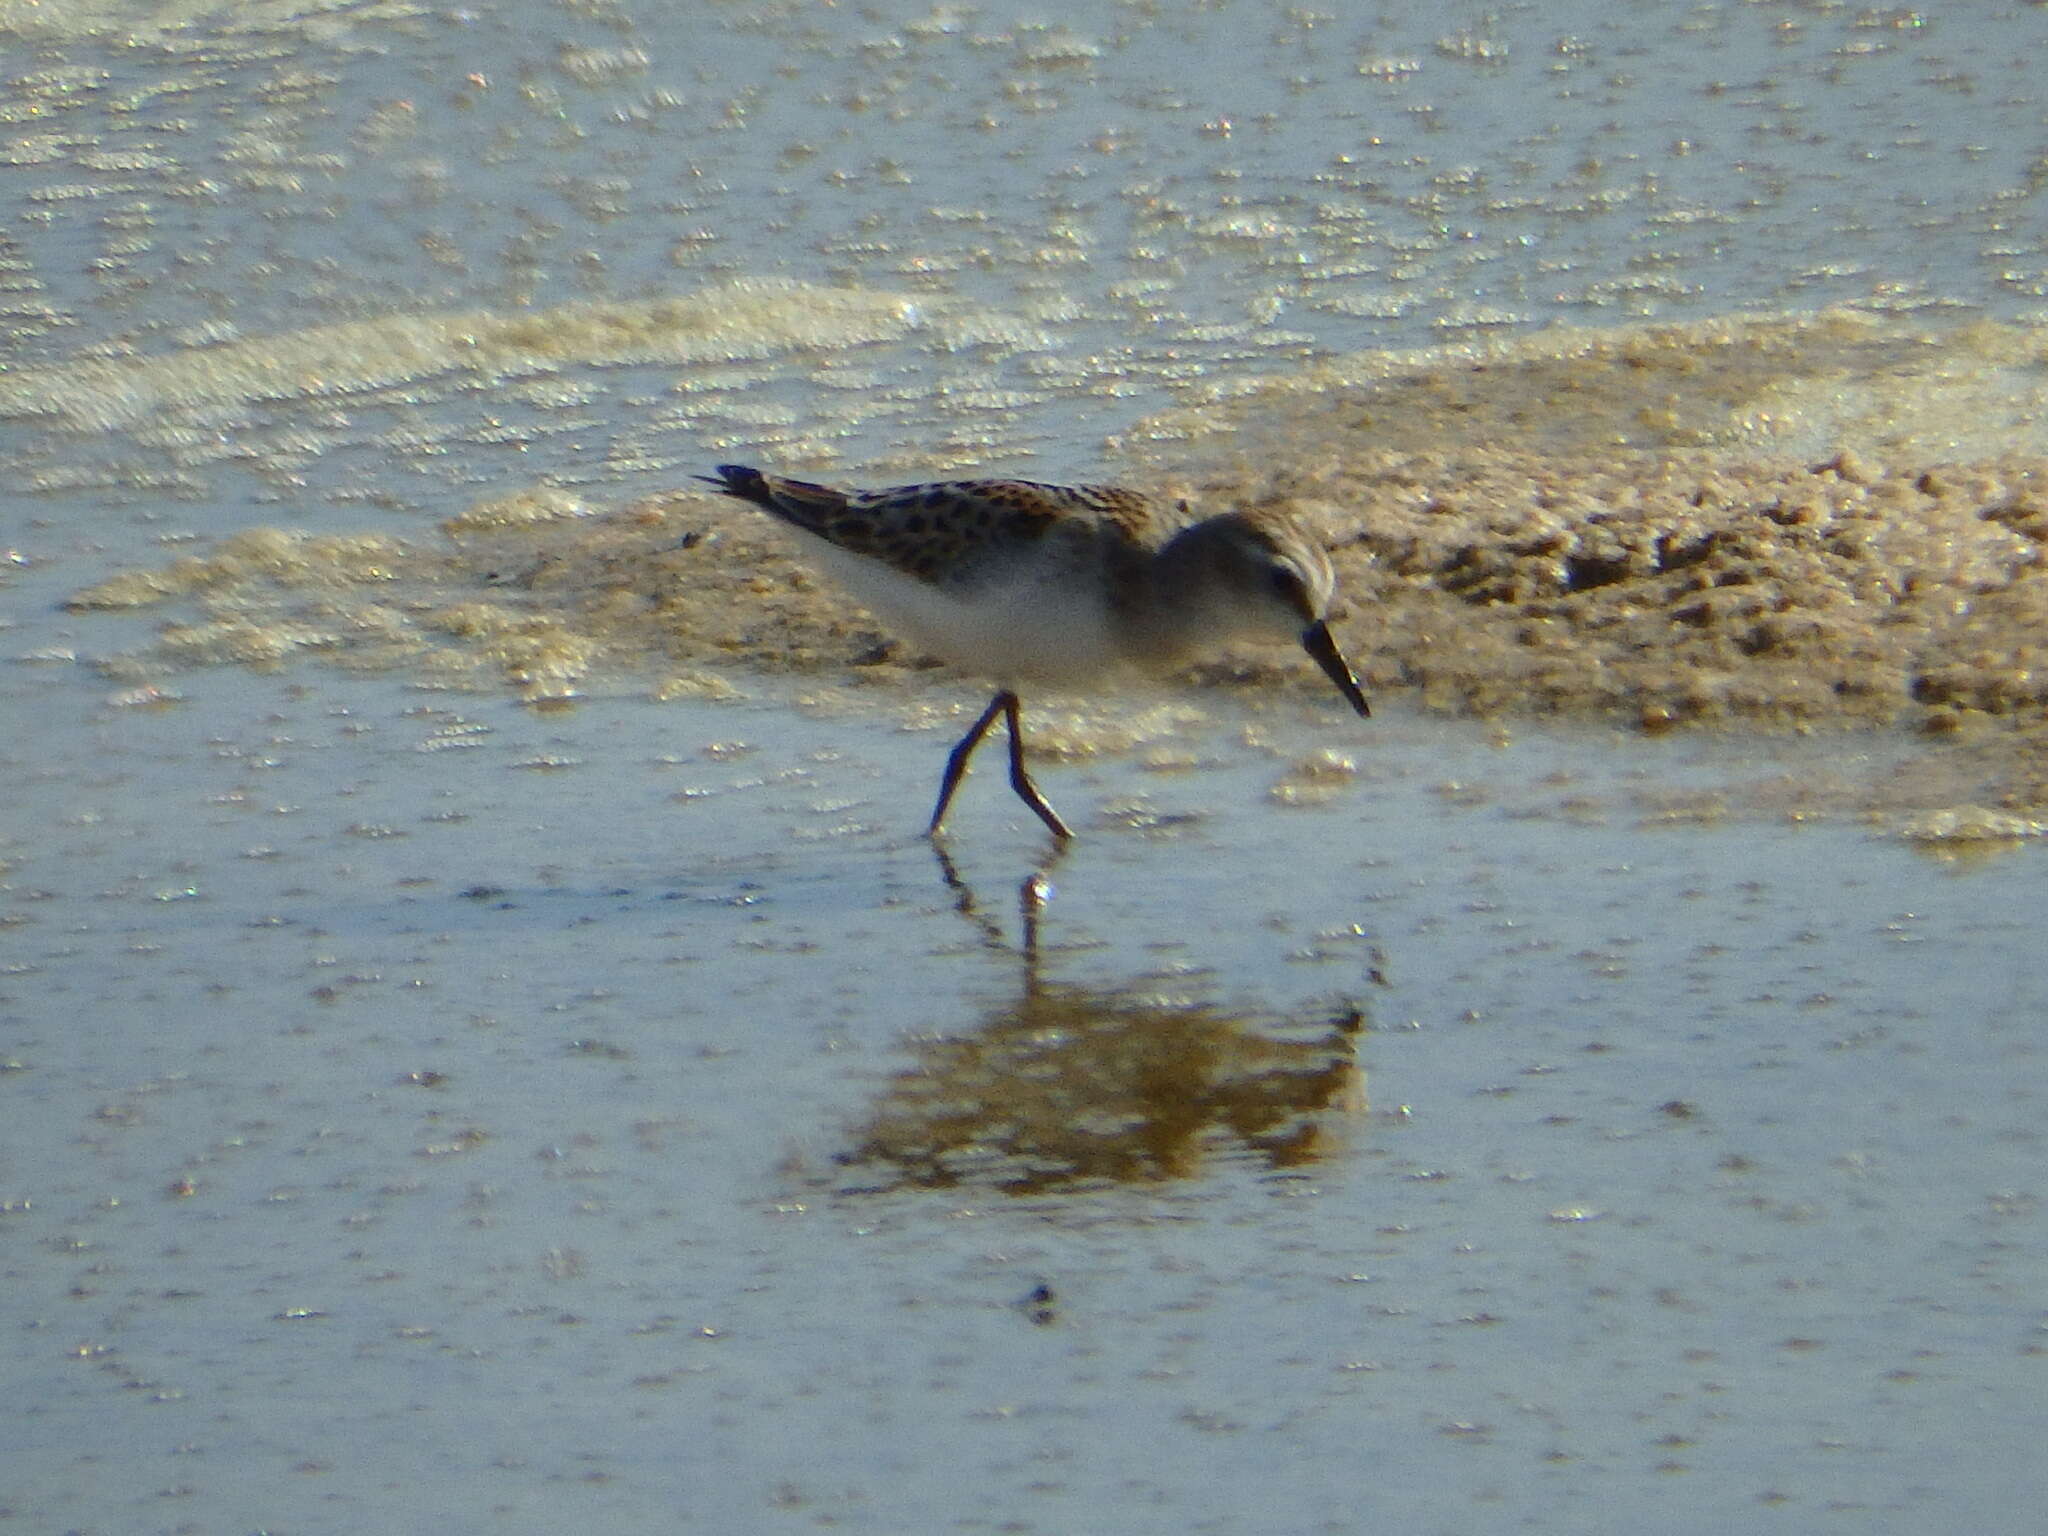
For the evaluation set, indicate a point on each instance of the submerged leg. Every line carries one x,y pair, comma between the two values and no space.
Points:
1019,779
1006,705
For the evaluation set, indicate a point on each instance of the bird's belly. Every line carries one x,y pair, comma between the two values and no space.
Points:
1050,627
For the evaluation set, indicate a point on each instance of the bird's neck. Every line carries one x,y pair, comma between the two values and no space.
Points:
1184,608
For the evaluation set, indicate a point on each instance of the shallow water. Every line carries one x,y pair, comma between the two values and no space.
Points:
483,1043
616,1116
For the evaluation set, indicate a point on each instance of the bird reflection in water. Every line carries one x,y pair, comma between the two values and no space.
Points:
1070,1085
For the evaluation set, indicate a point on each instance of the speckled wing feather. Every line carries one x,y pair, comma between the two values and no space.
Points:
937,529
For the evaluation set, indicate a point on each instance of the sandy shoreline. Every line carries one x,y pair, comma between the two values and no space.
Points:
1633,526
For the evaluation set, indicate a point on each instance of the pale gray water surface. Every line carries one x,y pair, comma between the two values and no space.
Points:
426,1111
423,1113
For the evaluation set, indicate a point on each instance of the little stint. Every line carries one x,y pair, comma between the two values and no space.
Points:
1066,585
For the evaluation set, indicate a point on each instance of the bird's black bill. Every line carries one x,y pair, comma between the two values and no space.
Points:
1317,642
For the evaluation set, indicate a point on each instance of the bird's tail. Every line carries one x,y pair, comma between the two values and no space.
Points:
800,501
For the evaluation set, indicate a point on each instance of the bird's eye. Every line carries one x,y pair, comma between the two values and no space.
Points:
1285,583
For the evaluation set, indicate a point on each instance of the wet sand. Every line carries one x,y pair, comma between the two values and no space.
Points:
1604,526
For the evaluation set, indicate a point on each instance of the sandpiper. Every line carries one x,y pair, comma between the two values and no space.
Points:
1020,582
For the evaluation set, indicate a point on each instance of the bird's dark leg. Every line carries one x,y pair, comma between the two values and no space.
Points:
1004,704
956,765
1019,779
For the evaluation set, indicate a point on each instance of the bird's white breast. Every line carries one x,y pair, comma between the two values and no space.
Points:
1039,620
